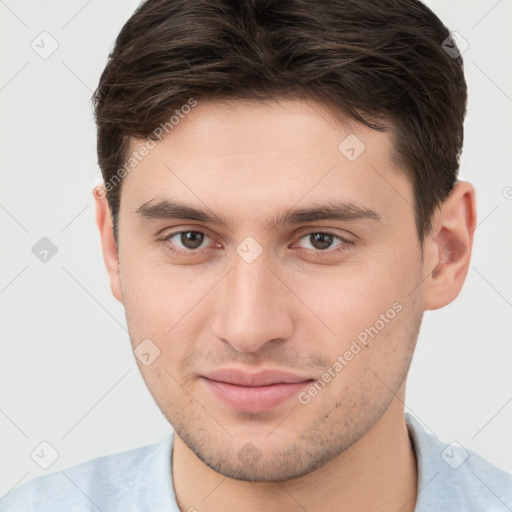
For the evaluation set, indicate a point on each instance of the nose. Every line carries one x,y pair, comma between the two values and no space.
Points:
254,308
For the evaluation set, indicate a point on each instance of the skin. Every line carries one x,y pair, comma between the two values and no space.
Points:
296,307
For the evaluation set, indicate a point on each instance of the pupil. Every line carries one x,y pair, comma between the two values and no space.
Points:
191,239
321,240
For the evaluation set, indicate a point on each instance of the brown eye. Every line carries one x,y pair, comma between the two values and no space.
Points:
323,244
184,241
321,240
191,239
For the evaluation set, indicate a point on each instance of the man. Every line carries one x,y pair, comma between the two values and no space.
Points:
280,206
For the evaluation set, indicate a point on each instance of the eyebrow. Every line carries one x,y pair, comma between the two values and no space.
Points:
167,209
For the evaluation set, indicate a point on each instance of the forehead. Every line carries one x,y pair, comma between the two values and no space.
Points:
265,154
277,124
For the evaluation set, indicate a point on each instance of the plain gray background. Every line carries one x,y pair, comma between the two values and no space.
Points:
68,375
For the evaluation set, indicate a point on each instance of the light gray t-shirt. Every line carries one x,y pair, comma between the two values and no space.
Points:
450,479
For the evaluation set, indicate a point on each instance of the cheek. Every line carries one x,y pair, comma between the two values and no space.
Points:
367,368
158,296
168,307
366,314
348,300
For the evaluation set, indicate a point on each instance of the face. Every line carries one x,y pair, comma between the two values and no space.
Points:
279,319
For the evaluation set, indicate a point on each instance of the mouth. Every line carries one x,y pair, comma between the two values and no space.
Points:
254,392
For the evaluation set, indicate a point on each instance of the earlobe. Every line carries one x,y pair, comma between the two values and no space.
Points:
450,246
110,252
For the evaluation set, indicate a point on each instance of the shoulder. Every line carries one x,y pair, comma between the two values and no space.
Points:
451,477
121,481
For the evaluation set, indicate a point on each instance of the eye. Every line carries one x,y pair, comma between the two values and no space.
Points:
321,241
186,241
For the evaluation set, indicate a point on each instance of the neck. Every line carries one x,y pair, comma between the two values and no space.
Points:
377,473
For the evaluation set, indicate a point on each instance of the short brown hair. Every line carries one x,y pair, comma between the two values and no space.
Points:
381,63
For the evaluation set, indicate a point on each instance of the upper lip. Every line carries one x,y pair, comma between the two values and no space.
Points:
261,378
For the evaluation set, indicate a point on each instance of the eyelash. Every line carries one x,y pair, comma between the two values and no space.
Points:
345,245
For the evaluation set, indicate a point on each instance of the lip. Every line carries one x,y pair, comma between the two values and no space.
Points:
265,377
254,392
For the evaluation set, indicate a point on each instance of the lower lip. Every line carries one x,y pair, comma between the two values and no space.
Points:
257,398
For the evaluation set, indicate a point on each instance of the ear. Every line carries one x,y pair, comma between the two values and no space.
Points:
448,248
110,253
